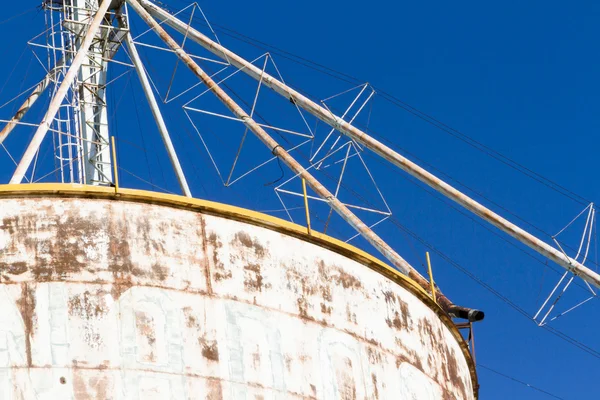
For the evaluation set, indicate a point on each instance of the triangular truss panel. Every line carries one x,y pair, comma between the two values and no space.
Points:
173,80
240,153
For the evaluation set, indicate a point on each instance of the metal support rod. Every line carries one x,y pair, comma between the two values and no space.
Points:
315,185
61,93
306,206
115,166
30,101
27,104
431,282
472,336
151,98
376,146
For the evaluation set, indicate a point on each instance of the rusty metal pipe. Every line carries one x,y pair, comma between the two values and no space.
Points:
28,103
377,147
298,169
61,93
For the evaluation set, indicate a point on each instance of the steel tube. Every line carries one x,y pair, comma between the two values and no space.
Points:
280,152
377,147
27,104
158,117
30,101
61,93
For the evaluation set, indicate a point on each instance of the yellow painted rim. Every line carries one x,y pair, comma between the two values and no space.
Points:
251,217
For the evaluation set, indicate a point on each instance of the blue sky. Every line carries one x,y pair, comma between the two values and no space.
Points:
520,78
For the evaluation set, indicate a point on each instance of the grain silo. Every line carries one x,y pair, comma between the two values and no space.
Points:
140,295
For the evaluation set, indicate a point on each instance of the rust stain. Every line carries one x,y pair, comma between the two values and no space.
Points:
398,312
396,322
288,363
253,277
426,335
346,280
210,349
119,258
87,305
303,309
220,272
256,359
374,356
452,367
406,320
145,326
247,241
326,293
375,388
52,258
191,321
101,385
389,296
17,268
160,272
345,381
80,387
95,388
215,390
205,246
26,305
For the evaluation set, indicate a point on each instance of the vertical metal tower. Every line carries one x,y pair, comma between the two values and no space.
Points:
79,80
90,87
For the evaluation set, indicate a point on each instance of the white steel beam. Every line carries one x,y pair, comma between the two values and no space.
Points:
298,169
30,101
27,104
376,146
158,117
61,93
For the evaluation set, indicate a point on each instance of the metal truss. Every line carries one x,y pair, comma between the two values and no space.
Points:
333,150
295,137
568,277
342,155
80,128
166,95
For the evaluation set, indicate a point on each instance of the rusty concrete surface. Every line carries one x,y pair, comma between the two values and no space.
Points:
108,299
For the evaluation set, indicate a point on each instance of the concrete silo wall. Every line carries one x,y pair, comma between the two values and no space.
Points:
114,299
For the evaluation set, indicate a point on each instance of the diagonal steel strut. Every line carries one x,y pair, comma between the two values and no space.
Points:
376,146
280,152
30,101
151,98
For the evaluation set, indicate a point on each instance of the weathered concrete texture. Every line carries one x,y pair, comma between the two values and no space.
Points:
116,300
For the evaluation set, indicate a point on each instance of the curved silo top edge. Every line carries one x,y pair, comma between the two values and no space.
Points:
247,216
